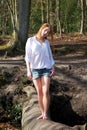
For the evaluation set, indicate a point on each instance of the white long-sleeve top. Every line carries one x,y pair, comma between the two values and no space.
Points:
38,55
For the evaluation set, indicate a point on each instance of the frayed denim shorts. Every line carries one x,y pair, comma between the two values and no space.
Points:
37,73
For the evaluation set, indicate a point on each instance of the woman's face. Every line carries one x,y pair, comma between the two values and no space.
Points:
45,32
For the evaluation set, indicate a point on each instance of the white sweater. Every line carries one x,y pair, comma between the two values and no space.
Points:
38,55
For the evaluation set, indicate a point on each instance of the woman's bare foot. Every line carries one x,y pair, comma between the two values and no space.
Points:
40,117
45,117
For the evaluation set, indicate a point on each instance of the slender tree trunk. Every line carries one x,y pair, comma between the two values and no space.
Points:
58,17
42,11
16,19
24,14
11,9
51,14
86,2
47,11
83,17
12,5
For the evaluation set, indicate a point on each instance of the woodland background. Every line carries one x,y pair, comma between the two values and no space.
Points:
20,19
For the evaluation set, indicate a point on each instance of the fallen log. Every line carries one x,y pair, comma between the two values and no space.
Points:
31,111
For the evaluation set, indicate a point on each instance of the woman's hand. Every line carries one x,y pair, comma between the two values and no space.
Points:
52,72
29,74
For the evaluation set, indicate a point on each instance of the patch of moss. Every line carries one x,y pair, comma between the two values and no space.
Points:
4,78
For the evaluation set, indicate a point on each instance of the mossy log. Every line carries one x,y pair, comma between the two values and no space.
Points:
31,111
8,45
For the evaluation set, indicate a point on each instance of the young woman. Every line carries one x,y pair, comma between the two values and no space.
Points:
40,66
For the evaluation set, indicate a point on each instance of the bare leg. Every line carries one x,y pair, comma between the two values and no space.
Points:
46,95
38,86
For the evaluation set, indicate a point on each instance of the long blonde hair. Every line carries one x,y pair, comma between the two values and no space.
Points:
44,26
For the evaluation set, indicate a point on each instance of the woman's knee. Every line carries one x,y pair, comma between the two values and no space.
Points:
40,92
45,90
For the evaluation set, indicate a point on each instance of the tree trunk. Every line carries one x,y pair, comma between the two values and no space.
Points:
42,11
83,16
58,17
24,14
86,2
51,14
47,11
12,5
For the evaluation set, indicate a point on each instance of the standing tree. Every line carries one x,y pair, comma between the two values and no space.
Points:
12,5
82,18
83,4
24,15
42,11
47,11
51,13
58,23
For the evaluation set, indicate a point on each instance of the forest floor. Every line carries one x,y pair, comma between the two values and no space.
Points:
71,71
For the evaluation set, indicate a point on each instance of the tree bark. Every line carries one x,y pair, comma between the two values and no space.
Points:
24,15
58,17
47,11
83,16
42,12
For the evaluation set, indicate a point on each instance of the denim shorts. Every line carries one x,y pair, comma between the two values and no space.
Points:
37,73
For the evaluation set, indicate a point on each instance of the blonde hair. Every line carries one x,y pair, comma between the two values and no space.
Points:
44,26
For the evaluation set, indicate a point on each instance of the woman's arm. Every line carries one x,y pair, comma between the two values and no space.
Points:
52,71
51,60
29,74
28,57
50,55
